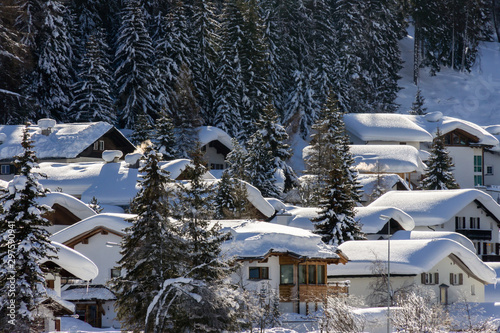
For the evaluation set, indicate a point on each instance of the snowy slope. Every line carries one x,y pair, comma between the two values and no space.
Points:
471,96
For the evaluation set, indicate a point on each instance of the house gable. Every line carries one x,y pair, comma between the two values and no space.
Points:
111,140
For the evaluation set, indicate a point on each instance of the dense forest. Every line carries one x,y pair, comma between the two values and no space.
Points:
222,62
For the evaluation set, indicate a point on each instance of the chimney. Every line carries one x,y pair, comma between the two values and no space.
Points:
46,125
112,156
133,160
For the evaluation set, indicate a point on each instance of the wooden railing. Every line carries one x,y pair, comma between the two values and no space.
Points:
312,293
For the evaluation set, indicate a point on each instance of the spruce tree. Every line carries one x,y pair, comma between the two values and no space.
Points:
24,242
236,161
165,138
142,130
134,60
92,100
439,175
151,249
336,221
417,107
230,199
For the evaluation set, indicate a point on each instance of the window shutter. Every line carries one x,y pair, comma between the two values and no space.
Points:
460,279
479,223
436,278
451,279
422,278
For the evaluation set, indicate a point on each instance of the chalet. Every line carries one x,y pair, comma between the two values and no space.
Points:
216,144
96,237
68,264
442,266
65,143
291,261
469,212
375,184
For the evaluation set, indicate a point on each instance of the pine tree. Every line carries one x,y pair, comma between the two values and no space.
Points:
417,105
134,60
236,161
51,80
24,242
151,249
231,198
336,221
142,130
92,99
439,175
165,138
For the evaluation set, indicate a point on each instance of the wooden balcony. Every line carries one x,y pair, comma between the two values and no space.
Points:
312,293
475,234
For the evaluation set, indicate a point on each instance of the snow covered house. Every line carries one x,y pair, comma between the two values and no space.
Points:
442,265
98,238
291,261
67,143
68,264
216,144
373,185
469,212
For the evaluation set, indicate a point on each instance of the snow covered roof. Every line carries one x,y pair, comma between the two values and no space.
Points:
64,140
109,221
432,121
373,219
429,208
385,127
72,178
73,262
408,257
404,234
386,181
206,134
77,207
386,158
260,239
84,293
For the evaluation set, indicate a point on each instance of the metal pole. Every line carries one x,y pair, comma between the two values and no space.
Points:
388,277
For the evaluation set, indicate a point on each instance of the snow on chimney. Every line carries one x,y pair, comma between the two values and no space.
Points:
111,156
46,125
133,160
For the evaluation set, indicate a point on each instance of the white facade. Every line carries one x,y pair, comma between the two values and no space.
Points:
466,172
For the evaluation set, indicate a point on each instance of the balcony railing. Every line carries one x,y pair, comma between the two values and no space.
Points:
475,234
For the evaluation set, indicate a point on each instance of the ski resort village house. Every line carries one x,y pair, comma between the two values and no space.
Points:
291,261
442,266
216,144
469,212
68,264
66,143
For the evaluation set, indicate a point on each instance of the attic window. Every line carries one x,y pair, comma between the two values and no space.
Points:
99,145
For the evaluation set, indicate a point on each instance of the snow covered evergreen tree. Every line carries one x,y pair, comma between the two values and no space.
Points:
92,99
151,250
134,60
165,139
24,242
336,221
417,107
236,161
231,198
439,175
142,130
51,80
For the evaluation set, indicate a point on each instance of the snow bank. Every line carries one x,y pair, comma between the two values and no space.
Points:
77,207
258,239
73,262
408,257
455,236
386,158
385,127
373,219
428,208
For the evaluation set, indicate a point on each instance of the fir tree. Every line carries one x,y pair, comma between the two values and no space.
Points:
95,205
92,99
24,242
51,80
165,139
236,161
439,175
142,130
336,221
151,249
230,199
134,60
417,107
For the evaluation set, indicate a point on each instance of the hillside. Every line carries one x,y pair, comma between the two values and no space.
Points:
473,96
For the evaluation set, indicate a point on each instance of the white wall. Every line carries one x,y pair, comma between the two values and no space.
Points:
103,256
492,159
109,319
463,158
241,275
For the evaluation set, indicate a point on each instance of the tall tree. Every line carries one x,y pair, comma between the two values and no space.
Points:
439,175
417,107
142,130
165,137
92,93
51,80
336,221
134,60
151,249
24,242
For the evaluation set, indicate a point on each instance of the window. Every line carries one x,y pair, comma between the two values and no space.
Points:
321,274
478,163
472,289
115,272
475,223
258,273
312,274
489,170
5,169
456,279
460,222
286,274
478,180
216,166
430,278
302,274
99,145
